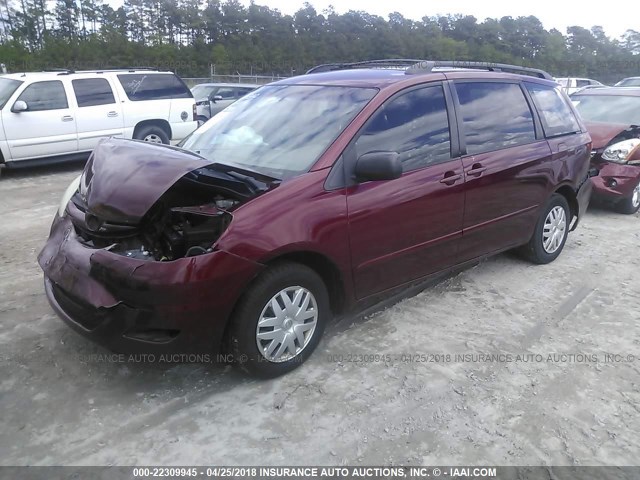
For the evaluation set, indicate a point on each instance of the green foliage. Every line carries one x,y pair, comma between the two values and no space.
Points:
188,36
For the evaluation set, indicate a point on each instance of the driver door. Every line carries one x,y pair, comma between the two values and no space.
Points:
403,229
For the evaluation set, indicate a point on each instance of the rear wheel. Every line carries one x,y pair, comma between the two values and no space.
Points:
152,134
280,320
551,231
631,204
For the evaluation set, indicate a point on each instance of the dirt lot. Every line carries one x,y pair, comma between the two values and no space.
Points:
552,398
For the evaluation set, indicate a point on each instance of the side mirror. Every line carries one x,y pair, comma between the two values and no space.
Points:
378,166
216,98
20,106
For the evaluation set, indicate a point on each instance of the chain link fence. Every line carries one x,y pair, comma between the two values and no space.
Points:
239,78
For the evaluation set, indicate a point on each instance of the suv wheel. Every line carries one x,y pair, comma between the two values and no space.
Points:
631,204
279,321
550,233
152,134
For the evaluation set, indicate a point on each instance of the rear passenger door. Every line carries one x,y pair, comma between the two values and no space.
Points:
406,228
506,166
99,114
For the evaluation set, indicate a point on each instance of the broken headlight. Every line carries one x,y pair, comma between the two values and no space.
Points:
68,193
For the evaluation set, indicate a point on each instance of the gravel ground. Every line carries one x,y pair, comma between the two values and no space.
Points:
503,364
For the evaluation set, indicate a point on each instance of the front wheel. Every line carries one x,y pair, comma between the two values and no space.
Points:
551,232
280,320
631,204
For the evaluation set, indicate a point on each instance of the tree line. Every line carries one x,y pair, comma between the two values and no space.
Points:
187,36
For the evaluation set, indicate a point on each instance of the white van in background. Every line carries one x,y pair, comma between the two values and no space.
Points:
56,116
573,84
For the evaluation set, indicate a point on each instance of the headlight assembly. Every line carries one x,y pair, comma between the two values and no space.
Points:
620,152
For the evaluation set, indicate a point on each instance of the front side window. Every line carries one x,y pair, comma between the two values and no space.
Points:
227,93
41,96
153,86
414,124
494,116
93,91
556,115
279,130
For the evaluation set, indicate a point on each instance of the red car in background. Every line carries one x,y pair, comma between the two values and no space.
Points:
612,116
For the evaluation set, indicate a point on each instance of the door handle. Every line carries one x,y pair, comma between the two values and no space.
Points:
450,178
67,118
476,170
112,114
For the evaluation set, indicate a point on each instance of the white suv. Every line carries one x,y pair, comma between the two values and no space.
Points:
56,116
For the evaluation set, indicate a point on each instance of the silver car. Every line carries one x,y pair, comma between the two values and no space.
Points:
211,98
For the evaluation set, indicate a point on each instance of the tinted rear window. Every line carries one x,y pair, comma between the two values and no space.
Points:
495,116
93,91
555,113
143,86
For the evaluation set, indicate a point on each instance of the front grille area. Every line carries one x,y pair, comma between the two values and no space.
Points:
81,312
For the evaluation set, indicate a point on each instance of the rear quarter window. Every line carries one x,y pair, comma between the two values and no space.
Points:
556,115
143,86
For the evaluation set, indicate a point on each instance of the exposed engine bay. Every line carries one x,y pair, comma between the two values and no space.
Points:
185,221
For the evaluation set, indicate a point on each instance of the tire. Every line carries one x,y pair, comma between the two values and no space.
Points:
542,248
294,281
153,134
631,204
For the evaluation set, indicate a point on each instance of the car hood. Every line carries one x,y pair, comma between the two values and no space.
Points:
123,179
603,133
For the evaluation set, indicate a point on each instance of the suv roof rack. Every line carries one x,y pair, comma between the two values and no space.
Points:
425,66
385,63
413,66
67,71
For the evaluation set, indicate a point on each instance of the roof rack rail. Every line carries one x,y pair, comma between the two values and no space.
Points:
414,66
390,62
425,66
67,71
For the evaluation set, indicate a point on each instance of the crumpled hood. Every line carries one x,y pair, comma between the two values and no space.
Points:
603,133
124,178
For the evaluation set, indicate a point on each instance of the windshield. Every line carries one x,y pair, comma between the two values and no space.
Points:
629,82
202,91
279,130
624,110
7,87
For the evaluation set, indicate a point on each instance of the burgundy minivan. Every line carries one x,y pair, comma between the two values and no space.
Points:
309,197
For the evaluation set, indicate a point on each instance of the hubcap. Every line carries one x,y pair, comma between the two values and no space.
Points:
554,227
286,324
153,138
635,199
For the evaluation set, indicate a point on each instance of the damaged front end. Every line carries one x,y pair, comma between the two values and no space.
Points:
136,207
132,262
616,156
